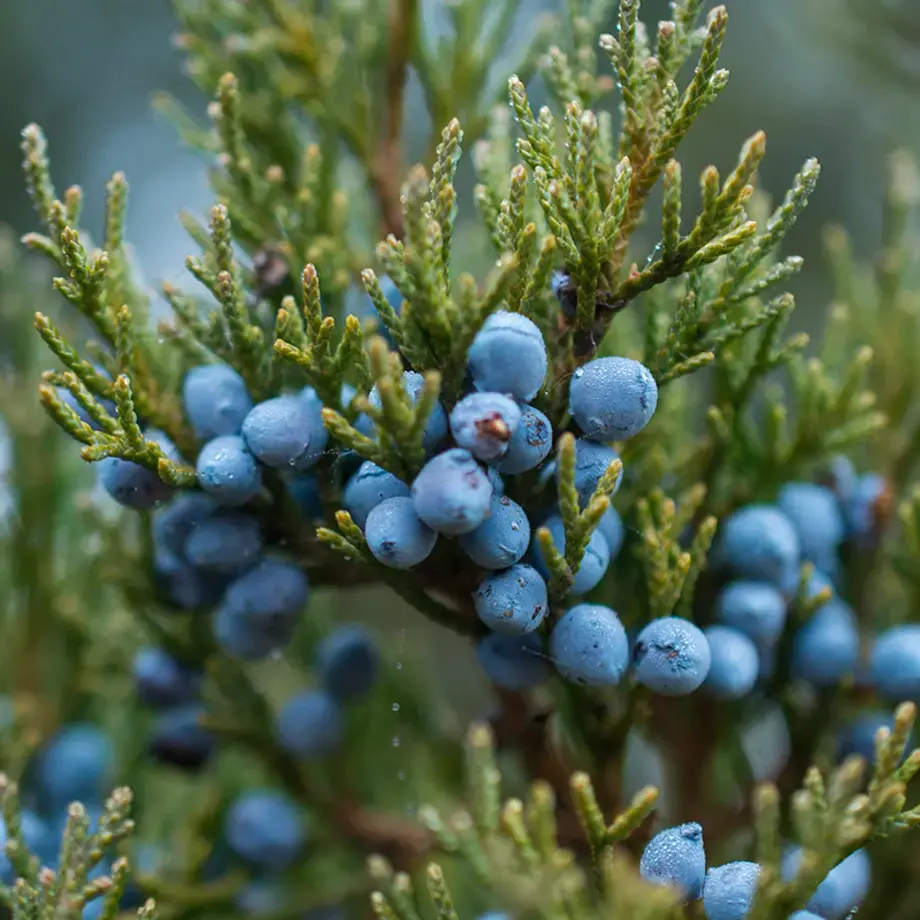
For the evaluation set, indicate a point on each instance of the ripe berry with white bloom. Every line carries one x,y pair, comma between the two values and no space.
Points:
216,400
508,355
759,543
826,648
589,646
370,486
396,536
612,399
756,608
484,423
896,663
452,493
735,663
501,539
729,890
671,656
675,856
512,602
277,432
529,445
227,470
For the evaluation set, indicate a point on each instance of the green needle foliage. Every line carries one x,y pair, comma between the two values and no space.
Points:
318,208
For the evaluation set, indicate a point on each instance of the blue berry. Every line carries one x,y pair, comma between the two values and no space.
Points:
843,888
228,470
310,724
508,356
593,564
173,523
75,766
501,539
676,856
484,423
513,662
452,493
671,656
38,838
729,890
866,507
589,646
133,485
529,445
318,434
396,536
347,662
760,543
160,680
611,526
216,400
277,433
179,738
756,608
260,610
181,585
512,602
859,736
228,542
265,828
816,516
591,462
896,663
368,488
612,399
735,663
826,648
436,426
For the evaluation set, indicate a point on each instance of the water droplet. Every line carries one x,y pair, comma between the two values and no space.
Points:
579,372
396,707
401,775
398,665
396,742
515,525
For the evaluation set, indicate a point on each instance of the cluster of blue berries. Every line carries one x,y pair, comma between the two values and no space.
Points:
491,433
676,857
763,547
